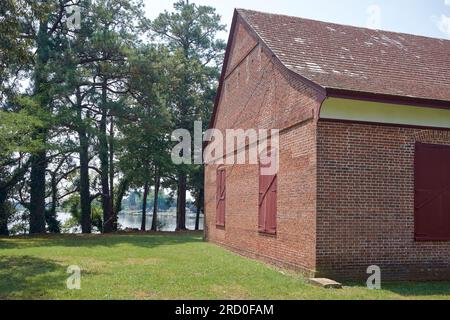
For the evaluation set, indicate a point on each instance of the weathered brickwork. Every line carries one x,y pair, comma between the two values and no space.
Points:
365,203
240,48
258,95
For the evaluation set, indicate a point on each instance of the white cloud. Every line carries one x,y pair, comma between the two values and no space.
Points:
374,16
444,23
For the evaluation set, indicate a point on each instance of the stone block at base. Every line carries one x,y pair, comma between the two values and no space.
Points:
326,283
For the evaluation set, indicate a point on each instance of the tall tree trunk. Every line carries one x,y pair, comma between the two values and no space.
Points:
4,214
5,188
199,209
178,208
155,201
200,200
144,207
37,193
197,219
104,164
123,187
50,215
181,203
111,174
39,159
85,192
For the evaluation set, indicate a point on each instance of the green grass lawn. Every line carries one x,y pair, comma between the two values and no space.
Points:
146,266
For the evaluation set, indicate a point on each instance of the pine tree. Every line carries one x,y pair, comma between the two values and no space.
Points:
190,32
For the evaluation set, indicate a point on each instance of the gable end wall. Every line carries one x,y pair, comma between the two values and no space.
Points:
259,94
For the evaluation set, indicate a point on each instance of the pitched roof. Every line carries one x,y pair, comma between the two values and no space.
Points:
355,59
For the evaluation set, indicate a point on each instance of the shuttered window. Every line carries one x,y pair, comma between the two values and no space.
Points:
220,197
267,213
432,192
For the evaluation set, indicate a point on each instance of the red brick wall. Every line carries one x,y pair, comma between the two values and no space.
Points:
259,95
240,48
345,191
365,203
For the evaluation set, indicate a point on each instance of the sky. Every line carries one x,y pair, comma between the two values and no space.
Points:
421,17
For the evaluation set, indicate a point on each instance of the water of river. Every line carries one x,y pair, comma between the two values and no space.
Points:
132,220
167,221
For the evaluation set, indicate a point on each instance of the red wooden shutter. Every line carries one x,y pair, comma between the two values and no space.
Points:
271,215
261,203
432,192
220,197
267,210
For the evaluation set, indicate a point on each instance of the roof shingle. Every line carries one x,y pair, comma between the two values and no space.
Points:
357,59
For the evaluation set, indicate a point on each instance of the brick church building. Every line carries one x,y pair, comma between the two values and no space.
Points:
364,157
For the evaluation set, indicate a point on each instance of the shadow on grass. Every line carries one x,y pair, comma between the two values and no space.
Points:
414,289
26,277
147,240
